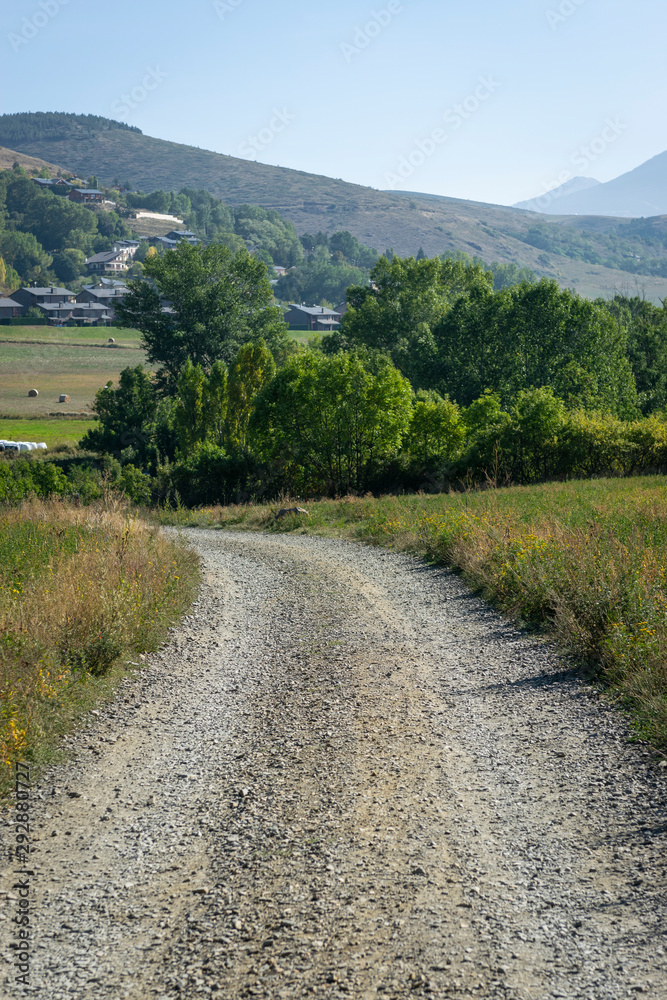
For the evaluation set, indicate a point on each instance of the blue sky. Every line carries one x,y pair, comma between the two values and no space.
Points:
489,101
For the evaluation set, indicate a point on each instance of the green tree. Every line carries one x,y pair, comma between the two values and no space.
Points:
217,300
201,406
645,327
331,422
23,253
253,368
529,336
537,419
436,432
68,265
190,416
398,312
126,415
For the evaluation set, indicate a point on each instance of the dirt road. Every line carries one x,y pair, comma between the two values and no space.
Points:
347,777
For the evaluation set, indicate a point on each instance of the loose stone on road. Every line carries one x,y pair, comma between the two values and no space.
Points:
345,776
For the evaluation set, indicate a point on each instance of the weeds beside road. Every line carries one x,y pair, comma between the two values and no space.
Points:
79,589
586,560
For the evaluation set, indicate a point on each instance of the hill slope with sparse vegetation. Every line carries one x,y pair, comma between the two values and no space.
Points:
594,256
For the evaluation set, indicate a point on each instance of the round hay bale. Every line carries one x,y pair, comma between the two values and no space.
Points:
111,340
63,398
33,392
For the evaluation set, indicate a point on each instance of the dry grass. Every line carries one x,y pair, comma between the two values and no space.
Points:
79,588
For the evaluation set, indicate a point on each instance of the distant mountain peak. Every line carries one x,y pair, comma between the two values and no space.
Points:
543,202
639,193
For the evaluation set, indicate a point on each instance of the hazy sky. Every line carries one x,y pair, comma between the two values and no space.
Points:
488,100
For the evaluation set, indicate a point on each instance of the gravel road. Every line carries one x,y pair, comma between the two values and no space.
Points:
345,776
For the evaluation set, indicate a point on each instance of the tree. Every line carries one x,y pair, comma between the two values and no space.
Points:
318,279
331,422
529,336
23,253
253,368
217,300
9,279
201,407
68,265
126,415
646,331
398,312
436,433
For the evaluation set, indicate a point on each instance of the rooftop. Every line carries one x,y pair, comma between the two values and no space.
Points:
101,258
52,290
314,310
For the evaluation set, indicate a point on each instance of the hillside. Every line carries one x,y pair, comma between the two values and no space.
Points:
576,255
639,193
8,157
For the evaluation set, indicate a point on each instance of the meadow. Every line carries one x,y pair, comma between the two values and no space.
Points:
81,589
584,561
52,431
75,362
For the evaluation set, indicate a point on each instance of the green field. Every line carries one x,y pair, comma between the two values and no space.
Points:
87,336
76,365
51,431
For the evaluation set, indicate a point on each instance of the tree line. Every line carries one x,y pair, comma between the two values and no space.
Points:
434,379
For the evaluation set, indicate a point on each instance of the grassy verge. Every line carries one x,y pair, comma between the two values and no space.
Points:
80,588
585,560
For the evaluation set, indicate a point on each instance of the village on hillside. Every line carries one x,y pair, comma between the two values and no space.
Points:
94,304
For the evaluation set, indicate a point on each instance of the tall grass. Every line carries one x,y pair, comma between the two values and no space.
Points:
587,561
79,588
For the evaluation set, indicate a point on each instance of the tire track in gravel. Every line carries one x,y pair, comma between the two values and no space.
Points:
348,777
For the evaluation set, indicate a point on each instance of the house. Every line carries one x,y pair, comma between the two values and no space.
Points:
30,298
109,260
129,247
172,239
56,184
316,318
141,214
77,313
86,196
57,313
279,271
164,242
91,314
101,296
9,309
182,234
110,283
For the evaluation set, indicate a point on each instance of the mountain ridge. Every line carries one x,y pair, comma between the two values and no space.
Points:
638,193
399,220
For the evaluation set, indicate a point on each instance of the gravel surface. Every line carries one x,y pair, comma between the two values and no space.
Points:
345,776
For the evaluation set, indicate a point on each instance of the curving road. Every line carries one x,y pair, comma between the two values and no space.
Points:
345,776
